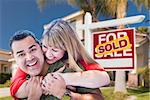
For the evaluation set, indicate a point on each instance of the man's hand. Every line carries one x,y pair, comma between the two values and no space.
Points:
35,90
54,84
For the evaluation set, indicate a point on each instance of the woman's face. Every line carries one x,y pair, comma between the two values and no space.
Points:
52,53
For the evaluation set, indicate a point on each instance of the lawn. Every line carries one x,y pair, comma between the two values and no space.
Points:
10,98
6,98
140,93
3,86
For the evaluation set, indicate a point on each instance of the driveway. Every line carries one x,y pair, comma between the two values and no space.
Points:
4,92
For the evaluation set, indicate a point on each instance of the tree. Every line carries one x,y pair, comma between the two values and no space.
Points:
140,3
43,3
95,7
142,29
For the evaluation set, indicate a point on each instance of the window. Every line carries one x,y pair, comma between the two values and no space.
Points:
4,68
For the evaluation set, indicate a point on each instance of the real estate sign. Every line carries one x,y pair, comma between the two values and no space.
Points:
115,49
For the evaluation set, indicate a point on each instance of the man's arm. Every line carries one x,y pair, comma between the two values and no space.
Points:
35,90
28,88
23,90
17,80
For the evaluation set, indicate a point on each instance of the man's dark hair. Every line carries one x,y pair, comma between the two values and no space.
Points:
19,35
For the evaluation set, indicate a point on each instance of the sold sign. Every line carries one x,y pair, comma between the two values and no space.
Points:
115,49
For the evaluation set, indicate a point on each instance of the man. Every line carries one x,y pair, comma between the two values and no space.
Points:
29,57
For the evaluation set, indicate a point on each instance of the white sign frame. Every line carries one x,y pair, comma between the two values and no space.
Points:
107,63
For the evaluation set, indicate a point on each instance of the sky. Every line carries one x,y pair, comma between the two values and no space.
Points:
24,14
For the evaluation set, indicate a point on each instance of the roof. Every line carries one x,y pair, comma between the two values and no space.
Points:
11,60
5,55
3,59
73,15
5,52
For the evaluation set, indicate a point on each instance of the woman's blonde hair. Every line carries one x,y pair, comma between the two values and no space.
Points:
60,33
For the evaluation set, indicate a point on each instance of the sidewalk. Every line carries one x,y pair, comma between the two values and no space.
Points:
4,92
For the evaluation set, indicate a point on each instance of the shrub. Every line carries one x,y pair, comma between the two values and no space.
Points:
112,83
146,76
7,83
4,77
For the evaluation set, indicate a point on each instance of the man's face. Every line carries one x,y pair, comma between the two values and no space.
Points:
28,55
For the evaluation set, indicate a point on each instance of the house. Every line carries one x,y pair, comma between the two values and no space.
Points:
76,19
142,48
142,53
5,66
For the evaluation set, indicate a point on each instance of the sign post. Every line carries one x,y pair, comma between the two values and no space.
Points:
109,23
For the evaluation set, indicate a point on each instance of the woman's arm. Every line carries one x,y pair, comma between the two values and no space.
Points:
55,85
95,76
89,79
